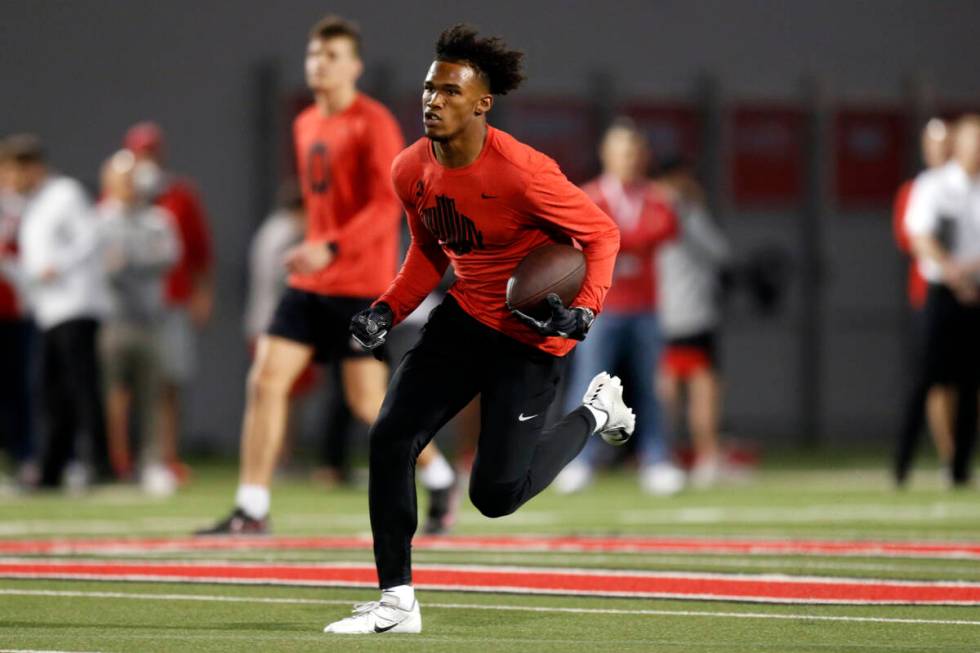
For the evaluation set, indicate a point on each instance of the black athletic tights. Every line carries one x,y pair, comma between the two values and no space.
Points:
455,359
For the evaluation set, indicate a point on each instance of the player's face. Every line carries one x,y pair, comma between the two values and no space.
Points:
331,64
453,97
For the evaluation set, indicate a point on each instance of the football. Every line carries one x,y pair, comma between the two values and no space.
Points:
558,269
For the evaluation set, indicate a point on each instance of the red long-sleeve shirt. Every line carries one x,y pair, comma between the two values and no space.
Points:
484,218
634,287
190,221
344,168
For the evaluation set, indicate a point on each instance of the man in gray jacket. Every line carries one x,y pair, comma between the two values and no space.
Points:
140,246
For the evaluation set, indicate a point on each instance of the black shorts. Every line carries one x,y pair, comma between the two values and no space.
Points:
320,321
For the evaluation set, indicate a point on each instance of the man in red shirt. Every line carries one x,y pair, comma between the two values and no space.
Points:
630,331
480,200
345,144
189,287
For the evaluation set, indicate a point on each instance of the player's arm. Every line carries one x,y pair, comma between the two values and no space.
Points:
382,211
565,207
425,263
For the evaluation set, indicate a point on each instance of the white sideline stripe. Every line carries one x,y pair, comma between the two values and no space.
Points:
477,606
32,650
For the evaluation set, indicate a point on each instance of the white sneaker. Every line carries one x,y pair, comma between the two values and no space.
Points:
384,616
574,478
662,479
605,394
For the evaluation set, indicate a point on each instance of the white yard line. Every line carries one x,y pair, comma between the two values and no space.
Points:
32,650
478,606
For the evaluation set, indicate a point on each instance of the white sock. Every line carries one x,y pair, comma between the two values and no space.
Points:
254,500
437,475
404,593
600,417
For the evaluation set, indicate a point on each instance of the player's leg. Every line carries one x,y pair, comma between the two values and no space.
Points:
596,353
278,362
365,380
435,380
516,456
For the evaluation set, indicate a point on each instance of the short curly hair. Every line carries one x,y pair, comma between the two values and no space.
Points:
501,67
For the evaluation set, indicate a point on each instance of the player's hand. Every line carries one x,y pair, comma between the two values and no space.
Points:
563,322
370,327
308,257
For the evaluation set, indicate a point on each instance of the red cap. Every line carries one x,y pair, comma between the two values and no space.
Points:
144,138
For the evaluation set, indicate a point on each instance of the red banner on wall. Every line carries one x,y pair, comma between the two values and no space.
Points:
562,128
672,129
870,156
767,156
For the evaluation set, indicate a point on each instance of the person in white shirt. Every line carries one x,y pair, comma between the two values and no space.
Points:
140,245
943,220
62,268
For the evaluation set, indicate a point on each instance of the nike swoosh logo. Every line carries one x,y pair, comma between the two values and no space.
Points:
522,418
379,629
487,197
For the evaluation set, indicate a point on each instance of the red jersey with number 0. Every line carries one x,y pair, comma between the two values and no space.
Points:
484,218
344,168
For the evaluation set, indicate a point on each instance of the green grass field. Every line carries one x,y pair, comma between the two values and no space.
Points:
846,499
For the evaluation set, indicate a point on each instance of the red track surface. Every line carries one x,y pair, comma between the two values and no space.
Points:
958,550
762,588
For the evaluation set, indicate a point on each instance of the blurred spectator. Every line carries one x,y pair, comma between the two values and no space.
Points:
279,233
925,400
689,270
140,246
943,220
190,286
62,267
628,330
16,342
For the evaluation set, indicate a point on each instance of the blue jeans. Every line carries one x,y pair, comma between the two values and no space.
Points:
634,340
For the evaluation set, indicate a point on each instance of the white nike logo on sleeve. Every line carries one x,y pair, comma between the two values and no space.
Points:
522,418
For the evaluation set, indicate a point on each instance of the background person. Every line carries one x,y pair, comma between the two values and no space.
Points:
689,272
628,335
140,246
190,284
62,266
943,220
925,400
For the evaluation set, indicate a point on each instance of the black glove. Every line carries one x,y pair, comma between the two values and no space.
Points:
370,326
564,322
